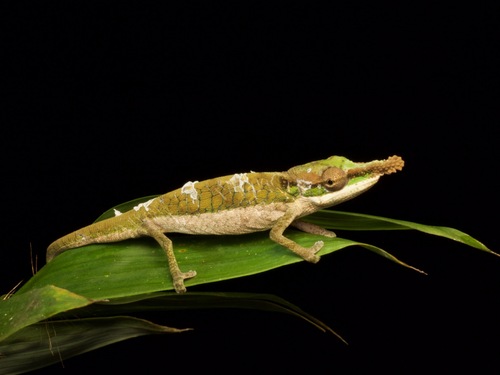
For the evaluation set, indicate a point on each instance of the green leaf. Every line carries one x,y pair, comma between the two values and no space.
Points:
21,310
43,344
354,221
140,266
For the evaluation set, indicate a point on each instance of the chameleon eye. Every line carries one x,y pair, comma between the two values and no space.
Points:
334,179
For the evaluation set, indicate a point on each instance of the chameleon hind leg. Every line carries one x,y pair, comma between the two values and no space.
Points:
178,276
304,226
306,253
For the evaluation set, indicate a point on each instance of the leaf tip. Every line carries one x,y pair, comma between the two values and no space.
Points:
418,270
494,253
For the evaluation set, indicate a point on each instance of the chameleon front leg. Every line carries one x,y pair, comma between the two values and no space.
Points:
178,277
276,234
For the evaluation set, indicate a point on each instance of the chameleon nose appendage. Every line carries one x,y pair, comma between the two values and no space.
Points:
390,165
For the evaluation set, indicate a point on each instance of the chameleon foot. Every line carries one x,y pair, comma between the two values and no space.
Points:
178,279
310,253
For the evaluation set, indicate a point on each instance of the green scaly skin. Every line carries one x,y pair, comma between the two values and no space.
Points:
237,204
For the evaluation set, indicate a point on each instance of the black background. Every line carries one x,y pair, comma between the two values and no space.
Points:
107,103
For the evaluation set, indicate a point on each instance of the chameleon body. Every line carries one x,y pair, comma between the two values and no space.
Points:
238,204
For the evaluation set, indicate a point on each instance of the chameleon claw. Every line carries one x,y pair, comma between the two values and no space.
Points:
311,256
179,278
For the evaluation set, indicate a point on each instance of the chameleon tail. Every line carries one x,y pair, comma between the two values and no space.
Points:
101,232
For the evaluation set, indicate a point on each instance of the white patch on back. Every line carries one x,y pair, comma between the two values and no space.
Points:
117,213
190,190
238,181
145,205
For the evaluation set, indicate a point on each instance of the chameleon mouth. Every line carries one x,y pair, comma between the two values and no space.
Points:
350,191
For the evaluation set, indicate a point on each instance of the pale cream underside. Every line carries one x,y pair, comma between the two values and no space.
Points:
234,221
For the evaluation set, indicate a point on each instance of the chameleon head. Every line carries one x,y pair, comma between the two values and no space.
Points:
334,180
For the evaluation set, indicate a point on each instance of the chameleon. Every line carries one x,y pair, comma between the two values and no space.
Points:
237,204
